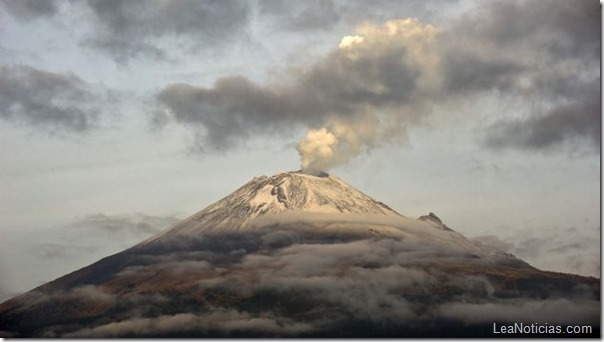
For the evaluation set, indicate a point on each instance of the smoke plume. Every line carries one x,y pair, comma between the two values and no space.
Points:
386,102
338,142
360,95
317,149
384,78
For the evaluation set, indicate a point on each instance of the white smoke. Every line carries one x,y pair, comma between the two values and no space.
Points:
337,143
317,149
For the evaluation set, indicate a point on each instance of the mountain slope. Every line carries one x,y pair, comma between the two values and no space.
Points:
297,255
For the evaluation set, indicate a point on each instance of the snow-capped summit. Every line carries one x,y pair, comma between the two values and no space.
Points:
295,191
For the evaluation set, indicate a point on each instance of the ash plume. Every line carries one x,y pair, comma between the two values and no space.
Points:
385,78
357,97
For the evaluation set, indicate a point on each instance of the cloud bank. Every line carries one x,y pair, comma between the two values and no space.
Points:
303,280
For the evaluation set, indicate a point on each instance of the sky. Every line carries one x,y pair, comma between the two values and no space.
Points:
118,118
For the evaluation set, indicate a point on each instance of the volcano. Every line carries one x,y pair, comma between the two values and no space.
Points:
306,255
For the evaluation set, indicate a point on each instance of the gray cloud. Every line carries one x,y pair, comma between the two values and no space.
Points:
561,28
466,73
495,48
47,100
575,121
128,29
232,110
30,9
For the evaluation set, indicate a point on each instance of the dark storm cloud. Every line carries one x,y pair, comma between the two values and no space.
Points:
52,101
30,9
127,29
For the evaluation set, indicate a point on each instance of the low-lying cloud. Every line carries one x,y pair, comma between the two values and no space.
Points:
96,233
312,280
556,311
53,251
562,249
224,320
